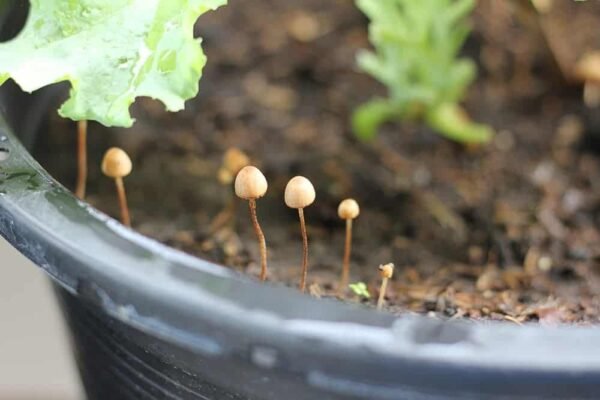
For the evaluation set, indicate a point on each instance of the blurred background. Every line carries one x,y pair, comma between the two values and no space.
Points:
35,361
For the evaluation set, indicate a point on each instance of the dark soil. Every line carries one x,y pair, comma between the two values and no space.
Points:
508,231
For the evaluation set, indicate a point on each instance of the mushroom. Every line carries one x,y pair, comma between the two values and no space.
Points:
299,194
251,184
116,164
587,70
234,160
81,159
386,272
347,210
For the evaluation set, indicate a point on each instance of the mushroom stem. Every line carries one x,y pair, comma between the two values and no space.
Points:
382,291
304,249
261,239
347,250
225,216
125,218
81,159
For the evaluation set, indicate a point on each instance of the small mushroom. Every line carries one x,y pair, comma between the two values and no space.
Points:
234,160
81,159
116,164
347,210
587,70
386,272
251,184
299,194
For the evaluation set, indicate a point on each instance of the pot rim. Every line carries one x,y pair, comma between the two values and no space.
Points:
98,259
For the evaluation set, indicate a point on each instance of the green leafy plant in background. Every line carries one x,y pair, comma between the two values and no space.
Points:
416,46
111,51
360,289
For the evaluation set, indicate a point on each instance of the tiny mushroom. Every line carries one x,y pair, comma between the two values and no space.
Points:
386,272
251,184
116,164
348,210
300,193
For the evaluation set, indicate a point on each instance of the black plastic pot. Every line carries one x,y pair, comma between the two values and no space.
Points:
149,322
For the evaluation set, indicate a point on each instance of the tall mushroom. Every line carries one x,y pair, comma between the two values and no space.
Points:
81,159
299,194
348,210
251,184
116,164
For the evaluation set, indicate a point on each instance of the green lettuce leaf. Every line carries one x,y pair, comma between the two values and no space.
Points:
111,51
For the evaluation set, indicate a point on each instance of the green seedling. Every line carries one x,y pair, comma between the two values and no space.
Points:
360,289
416,47
251,184
299,194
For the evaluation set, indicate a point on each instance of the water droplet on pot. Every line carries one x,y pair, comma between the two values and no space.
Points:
264,357
3,138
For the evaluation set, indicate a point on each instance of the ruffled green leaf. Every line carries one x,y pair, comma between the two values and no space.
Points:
111,51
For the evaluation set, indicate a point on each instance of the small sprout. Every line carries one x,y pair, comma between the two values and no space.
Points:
414,94
251,184
360,289
81,159
300,193
347,210
386,272
116,164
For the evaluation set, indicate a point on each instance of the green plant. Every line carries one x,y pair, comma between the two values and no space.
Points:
360,289
111,51
416,57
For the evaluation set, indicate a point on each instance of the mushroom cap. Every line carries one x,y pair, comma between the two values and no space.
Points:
588,67
299,192
348,209
250,183
386,271
116,163
234,160
224,176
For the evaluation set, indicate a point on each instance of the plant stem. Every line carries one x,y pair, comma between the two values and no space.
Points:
382,293
305,250
81,159
125,218
262,243
346,265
